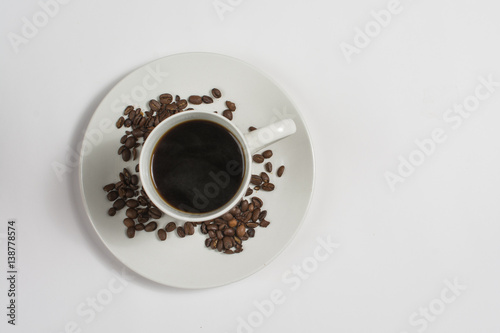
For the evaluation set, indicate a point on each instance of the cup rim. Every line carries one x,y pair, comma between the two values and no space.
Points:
146,157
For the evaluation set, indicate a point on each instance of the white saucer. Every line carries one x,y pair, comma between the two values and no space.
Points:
186,262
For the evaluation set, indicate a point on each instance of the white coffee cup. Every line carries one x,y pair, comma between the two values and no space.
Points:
250,143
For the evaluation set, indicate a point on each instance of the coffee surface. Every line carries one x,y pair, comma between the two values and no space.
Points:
197,166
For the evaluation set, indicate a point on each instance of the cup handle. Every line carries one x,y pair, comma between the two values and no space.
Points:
265,136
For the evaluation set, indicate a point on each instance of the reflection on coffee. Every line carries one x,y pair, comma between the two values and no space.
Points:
197,166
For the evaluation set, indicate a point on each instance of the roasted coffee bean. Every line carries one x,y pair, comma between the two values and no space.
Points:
268,186
122,192
252,224
130,143
132,114
131,232
139,227
131,212
264,177
216,93
227,242
251,232
247,217
257,202
258,158
166,98
128,222
244,205
237,240
132,203
128,109
121,149
134,180
182,104
231,106
212,227
227,217
129,193
229,252
151,226
264,223
263,215
252,128
123,139
235,211
162,234
142,201
137,168
212,234
170,226
112,196
126,154
248,192
119,204
112,211
281,169
155,213
267,154
229,232
207,242
134,154
143,219
109,187
170,107
240,231
203,229
188,228
268,166
127,123
207,99
219,234
213,244
154,105
256,180
120,122
181,232
232,223
255,214
251,206
195,99
228,114
220,245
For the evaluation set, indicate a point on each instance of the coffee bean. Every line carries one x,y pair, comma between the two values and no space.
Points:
120,122
251,129
212,227
109,187
216,93
257,202
112,211
256,180
119,204
248,192
122,192
240,231
129,222
189,228
162,234
127,123
154,105
237,240
229,232
194,99
130,142
207,242
281,169
134,180
267,154
231,106
264,223
129,193
139,227
246,217
219,234
128,109
151,226
258,158
134,154
227,242
180,232
251,207
244,206
263,215
182,104
131,232
252,224
137,168
213,244
131,212
228,114
232,223
121,149
142,219
220,245
170,226
227,217
126,154
228,251
132,203
112,196
212,234
155,213
264,177
166,98
268,166
207,99
268,186
251,232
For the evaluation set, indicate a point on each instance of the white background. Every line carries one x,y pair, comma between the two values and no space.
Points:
397,248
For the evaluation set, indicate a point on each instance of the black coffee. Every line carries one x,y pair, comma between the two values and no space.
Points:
197,166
